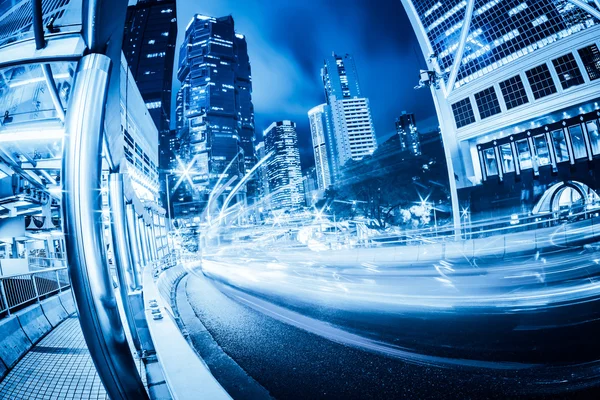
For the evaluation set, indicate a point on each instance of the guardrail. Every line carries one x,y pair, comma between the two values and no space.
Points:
40,263
479,230
20,290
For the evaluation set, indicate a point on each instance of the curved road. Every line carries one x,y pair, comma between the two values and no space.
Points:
520,327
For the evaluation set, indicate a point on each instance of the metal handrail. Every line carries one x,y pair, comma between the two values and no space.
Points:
19,290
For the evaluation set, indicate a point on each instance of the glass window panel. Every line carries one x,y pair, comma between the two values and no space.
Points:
506,156
591,60
487,102
594,135
524,154
513,92
491,165
541,81
463,112
567,70
560,146
578,141
541,150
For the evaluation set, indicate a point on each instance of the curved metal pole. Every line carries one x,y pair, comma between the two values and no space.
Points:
51,83
122,254
132,237
81,204
38,24
142,240
153,237
150,233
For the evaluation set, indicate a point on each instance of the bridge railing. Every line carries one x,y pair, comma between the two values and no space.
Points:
483,229
20,290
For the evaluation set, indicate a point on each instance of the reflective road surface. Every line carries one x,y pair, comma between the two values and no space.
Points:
339,324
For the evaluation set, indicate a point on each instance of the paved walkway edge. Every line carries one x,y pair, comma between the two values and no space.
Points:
230,374
186,374
21,331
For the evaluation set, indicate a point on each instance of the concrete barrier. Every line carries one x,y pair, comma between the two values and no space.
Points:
489,248
406,255
14,343
431,252
67,301
454,250
54,311
33,322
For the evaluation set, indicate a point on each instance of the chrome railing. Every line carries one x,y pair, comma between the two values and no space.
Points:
39,263
20,290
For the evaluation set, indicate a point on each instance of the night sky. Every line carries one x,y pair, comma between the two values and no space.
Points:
288,40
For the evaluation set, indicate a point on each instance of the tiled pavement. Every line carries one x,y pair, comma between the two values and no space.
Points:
58,367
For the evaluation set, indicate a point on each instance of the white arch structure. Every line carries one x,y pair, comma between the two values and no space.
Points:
549,202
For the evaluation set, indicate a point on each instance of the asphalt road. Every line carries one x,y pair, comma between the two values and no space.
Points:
295,352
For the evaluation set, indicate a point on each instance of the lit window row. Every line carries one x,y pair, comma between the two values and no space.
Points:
541,83
541,147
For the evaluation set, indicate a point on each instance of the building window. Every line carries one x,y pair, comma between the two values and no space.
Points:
487,102
591,60
506,157
463,113
524,154
576,133
594,135
542,153
491,165
513,92
560,146
541,81
568,71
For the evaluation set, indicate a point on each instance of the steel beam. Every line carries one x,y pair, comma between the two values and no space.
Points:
132,237
461,46
121,251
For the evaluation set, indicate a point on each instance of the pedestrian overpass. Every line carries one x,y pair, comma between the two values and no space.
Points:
68,196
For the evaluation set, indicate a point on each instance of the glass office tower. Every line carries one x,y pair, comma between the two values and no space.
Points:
322,136
354,133
284,173
406,127
149,47
215,115
516,87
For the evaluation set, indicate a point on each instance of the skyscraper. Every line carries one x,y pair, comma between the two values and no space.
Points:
149,47
283,168
322,138
516,86
215,116
354,134
406,127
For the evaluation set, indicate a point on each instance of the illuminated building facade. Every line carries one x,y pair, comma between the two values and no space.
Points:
322,137
516,86
406,127
354,134
149,46
140,139
215,116
284,173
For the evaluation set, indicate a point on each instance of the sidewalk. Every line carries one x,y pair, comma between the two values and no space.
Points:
58,367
